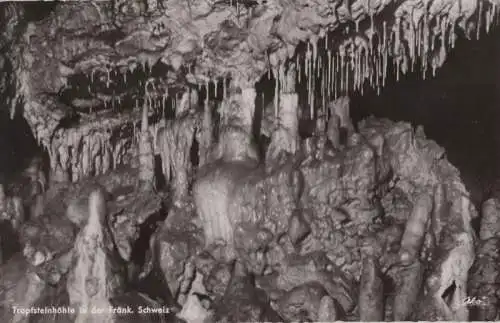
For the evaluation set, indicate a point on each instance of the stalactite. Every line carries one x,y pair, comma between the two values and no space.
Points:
329,74
346,84
385,49
224,87
285,137
174,143
426,36
108,77
216,82
146,156
309,78
488,18
335,69
276,93
396,34
323,89
494,14
299,68
372,31
366,71
205,133
356,67
479,22
342,69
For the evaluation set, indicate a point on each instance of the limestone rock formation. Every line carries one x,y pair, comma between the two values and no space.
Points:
155,199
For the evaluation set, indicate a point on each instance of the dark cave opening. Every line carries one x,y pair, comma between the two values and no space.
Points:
449,293
457,107
36,10
18,147
153,284
159,178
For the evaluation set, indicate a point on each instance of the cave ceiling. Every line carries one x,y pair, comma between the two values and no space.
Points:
103,60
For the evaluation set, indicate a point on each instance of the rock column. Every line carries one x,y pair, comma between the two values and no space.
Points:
146,154
285,138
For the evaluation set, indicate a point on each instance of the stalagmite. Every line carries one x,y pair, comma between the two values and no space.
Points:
327,311
340,107
146,155
490,220
440,211
413,237
192,310
371,292
94,279
248,95
234,152
333,131
18,212
298,228
451,271
409,284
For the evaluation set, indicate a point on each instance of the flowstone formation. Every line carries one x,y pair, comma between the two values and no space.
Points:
160,203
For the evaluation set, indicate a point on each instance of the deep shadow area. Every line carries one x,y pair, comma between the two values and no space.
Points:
17,146
458,109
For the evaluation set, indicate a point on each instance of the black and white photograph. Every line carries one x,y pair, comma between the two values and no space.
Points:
224,161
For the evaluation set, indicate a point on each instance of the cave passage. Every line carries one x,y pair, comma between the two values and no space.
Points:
458,109
17,146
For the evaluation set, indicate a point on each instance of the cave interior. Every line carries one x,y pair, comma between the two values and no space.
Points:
301,163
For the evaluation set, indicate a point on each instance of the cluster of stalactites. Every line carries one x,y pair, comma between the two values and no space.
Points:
419,38
80,154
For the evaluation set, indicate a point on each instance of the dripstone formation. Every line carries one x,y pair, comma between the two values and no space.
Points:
161,202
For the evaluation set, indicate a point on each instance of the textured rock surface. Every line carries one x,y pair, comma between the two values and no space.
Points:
242,301
21,286
484,274
301,230
85,57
